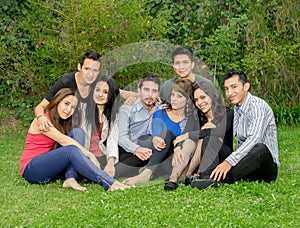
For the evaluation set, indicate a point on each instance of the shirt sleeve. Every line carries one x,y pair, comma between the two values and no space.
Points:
67,81
124,139
192,128
112,141
254,127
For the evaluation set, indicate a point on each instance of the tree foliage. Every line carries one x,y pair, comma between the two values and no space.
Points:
259,37
41,40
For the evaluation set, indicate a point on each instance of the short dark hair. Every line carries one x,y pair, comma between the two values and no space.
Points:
91,54
183,51
242,76
150,77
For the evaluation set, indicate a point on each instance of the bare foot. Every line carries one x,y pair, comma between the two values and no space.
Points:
142,178
117,186
72,183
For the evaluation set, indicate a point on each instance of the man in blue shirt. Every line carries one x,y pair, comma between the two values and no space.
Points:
256,155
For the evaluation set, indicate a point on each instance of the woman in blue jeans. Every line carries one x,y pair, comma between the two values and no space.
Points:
51,154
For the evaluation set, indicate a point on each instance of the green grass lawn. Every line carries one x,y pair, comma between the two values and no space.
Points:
239,205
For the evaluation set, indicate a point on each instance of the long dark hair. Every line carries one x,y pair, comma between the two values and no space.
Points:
111,107
63,125
217,103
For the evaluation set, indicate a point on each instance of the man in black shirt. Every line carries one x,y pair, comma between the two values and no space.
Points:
80,81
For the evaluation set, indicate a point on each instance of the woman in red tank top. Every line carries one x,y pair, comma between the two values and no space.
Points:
48,154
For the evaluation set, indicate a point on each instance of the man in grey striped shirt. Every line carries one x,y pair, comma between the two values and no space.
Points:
135,145
256,155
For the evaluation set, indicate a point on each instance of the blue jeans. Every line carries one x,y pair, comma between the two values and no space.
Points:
67,160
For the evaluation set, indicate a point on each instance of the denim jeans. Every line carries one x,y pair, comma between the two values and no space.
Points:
68,160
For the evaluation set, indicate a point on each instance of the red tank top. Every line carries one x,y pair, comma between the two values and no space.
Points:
94,143
35,145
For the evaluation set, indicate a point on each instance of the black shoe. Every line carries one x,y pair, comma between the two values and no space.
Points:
170,186
204,183
187,180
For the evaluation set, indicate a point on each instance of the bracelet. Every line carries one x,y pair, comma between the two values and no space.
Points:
38,116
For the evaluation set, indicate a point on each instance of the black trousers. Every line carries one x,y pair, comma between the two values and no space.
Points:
160,161
129,164
257,165
163,157
213,152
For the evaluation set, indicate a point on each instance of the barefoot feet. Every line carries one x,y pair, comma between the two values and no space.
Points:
117,186
72,183
142,178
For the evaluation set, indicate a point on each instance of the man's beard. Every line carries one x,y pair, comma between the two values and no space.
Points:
149,104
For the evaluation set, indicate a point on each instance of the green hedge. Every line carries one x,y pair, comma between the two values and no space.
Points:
42,40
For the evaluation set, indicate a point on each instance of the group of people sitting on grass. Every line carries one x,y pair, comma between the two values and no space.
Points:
180,130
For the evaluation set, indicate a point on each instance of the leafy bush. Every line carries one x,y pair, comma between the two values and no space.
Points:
259,37
42,40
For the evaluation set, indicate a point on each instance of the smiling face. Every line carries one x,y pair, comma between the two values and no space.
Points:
149,93
67,106
202,101
89,71
178,101
235,91
183,66
100,95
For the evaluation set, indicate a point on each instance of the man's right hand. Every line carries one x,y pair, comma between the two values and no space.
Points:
143,153
44,123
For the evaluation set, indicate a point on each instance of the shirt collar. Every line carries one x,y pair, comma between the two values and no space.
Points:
245,105
139,106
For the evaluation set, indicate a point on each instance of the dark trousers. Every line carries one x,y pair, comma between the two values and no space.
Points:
129,164
213,152
160,161
159,156
258,164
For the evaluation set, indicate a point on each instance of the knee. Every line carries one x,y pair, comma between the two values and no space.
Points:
208,125
261,146
210,139
78,135
167,135
72,149
78,132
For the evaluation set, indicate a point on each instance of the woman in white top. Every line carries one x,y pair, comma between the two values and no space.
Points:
100,122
